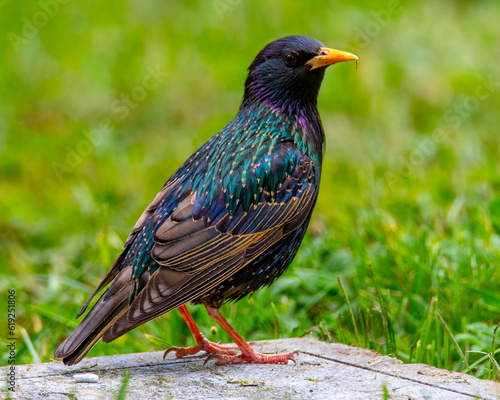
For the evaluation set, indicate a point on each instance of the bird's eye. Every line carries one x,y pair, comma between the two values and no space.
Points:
291,59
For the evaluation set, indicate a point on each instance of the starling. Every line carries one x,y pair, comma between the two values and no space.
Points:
230,219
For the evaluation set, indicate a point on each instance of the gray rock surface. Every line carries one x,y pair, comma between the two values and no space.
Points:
322,371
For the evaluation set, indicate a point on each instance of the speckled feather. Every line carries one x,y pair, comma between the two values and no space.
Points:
230,219
244,164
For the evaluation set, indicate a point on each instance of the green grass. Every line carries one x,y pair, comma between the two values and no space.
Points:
409,210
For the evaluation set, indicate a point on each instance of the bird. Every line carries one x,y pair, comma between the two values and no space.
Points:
231,219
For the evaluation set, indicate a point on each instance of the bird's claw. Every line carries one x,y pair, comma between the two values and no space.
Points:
210,356
203,345
177,350
253,357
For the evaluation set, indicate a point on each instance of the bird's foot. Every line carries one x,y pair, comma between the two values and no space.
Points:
253,357
203,344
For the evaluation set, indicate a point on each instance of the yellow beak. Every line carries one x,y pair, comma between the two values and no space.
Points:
328,56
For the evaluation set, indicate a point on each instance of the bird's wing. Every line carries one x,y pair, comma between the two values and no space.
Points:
192,246
197,254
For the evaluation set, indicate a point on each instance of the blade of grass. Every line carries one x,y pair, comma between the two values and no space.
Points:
448,331
439,347
276,324
122,393
493,351
487,356
423,340
31,348
372,342
341,333
158,341
324,331
350,309
385,392
494,362
388,328
363,327
446,351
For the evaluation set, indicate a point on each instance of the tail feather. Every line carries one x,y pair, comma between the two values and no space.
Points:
76,354
113,303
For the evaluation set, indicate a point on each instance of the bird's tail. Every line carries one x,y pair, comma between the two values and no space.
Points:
113,303
110,319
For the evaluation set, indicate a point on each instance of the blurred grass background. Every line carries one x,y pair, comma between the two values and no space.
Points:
410,183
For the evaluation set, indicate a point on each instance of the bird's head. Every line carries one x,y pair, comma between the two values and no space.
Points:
287,73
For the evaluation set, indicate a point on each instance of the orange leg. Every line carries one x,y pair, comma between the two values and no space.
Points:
202,343
247,353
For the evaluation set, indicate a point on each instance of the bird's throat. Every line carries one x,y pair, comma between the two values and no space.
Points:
307,129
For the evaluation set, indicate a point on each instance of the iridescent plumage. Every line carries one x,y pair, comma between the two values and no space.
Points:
232,217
